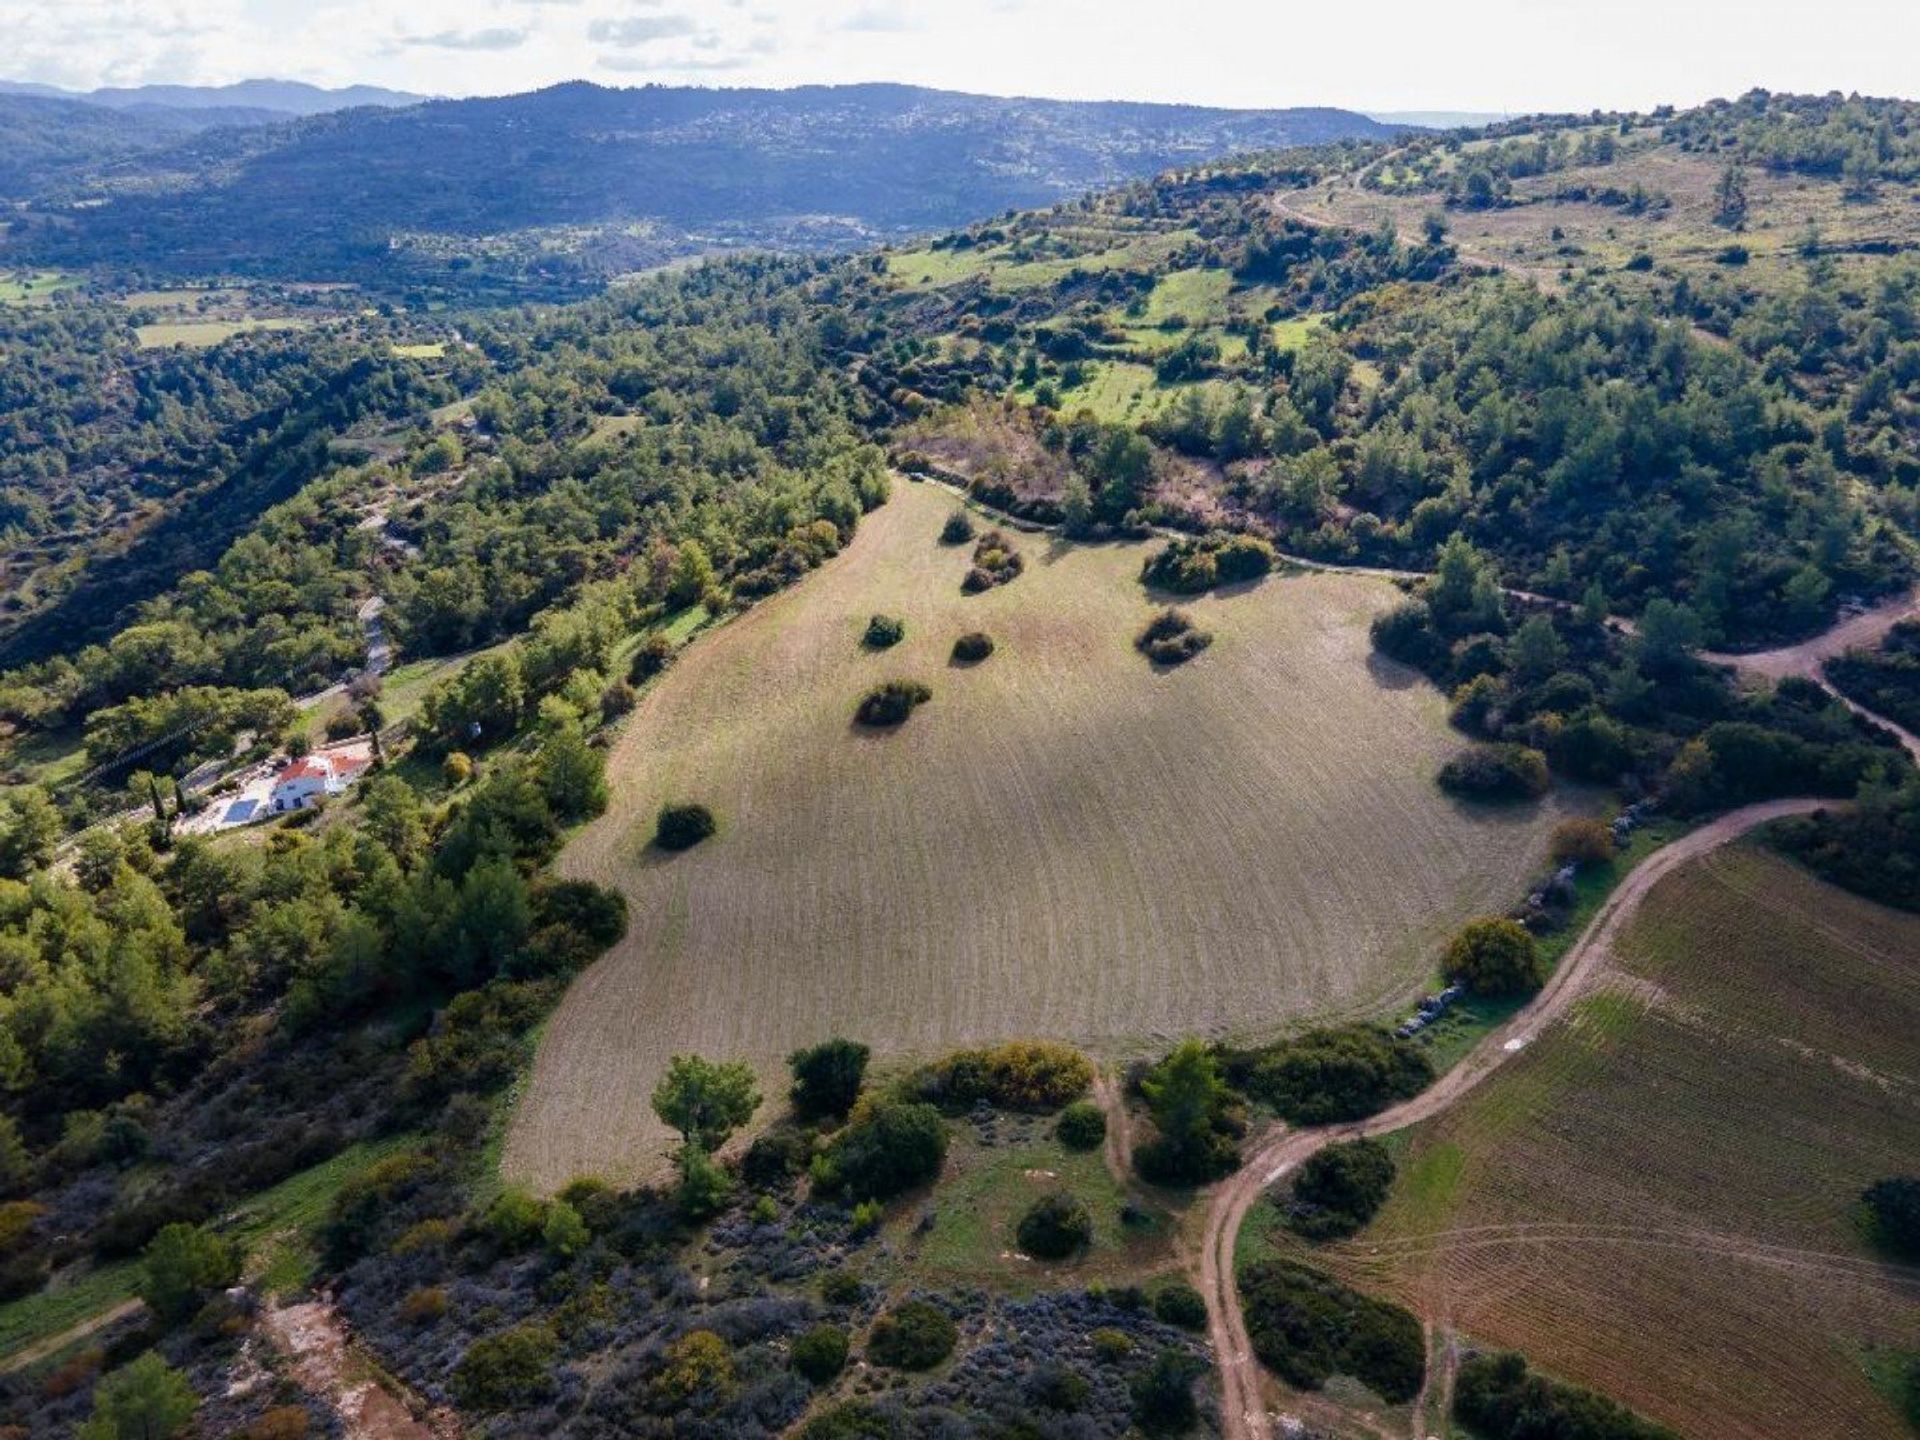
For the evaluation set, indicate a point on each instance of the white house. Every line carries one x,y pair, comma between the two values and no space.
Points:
313,778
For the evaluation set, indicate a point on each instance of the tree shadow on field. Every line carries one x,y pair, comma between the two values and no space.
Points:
1391,674
1496,812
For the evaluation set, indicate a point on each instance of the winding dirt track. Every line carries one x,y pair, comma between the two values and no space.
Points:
1243,1413
1808,659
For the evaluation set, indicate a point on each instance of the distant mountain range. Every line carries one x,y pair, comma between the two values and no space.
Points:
367,192
272,97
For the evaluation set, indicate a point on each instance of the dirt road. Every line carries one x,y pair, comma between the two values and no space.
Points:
1809,658
1243,1413
54,1344
1859,632
324,1362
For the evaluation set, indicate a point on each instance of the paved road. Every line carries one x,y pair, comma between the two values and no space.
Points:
1243,1412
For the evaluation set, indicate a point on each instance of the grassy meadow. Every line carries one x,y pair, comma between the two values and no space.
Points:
1063,842
198,334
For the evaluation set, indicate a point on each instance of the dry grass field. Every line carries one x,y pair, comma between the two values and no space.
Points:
1661,1200
1684,239
1063,842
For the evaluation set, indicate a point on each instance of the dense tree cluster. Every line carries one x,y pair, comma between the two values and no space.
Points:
1338,1189
1325,1076
1501,1399
1308,1328
1871,847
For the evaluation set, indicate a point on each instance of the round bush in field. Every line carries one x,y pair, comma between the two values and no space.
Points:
1056,1227
1180,1304
1495,956
1083,1126
842,1287
1171,638
681,827
821,1353
958,529
973,647
884,632
888,705
1497,772
1339,1189
913,1335
1582,842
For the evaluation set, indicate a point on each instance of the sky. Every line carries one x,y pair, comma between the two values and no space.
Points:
1482,55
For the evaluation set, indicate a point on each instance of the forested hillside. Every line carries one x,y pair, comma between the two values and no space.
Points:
617,178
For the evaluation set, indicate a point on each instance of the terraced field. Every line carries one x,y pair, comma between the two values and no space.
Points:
1660,1200
1062,842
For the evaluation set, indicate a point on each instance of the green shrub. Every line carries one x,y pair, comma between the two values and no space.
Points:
1190,566
506,1369
424,1304
1307,1327
890,704
1110,1346
884,632
842,1287
821,1353
1055,1227
856,1420
699,1363
1031,1075
1325,1076
1198,1117
1495,956
183,1268
958,529
1171,638
1083,1126
914,1335
973,647
995,562
1894,1207
1181,1305
1339,1189
1497,1397
827,1078
887,1147
514,1220
565,1234
145,1400
775,1157
1162,1398
1497,772
1052,1386
681,827
1582,842
654,655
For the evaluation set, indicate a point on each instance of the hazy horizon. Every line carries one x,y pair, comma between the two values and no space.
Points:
1481,56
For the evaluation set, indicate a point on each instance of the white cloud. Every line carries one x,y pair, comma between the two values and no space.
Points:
879,19
498,37
642,29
